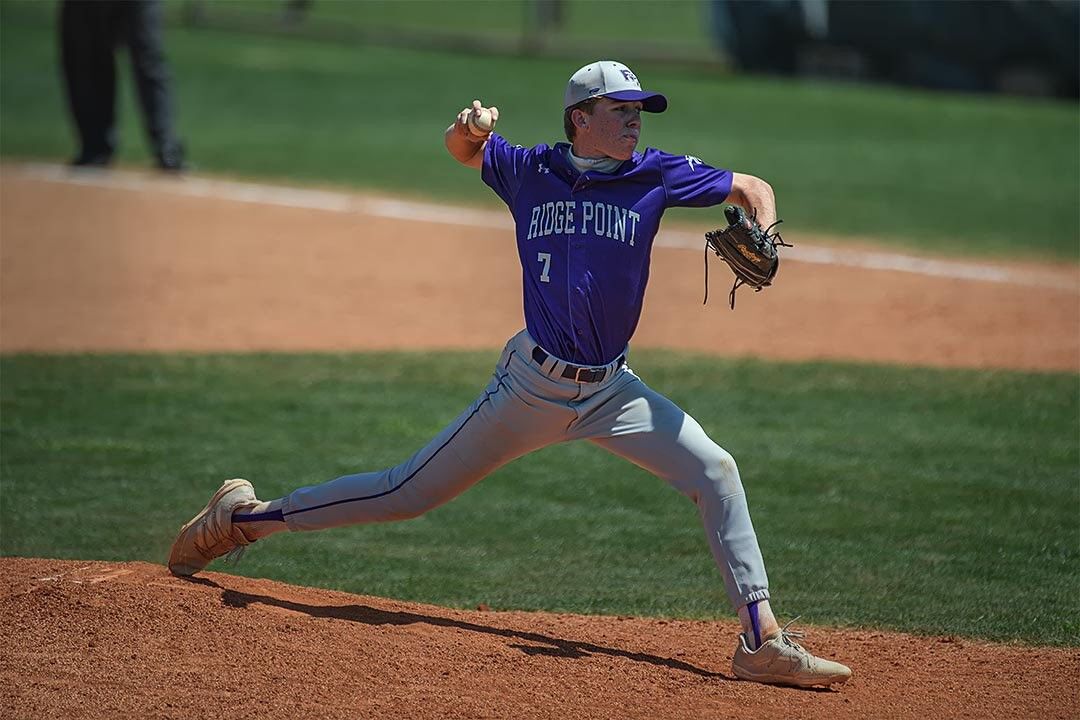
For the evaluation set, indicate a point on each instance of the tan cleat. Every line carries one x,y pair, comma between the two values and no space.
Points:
782,661
211,533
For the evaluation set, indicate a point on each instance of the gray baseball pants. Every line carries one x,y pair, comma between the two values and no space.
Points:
529,405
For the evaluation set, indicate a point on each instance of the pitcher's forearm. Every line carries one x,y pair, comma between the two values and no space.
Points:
755,196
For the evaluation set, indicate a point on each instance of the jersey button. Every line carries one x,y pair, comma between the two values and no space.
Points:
579,332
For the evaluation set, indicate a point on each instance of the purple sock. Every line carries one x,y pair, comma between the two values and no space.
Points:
751,610
272,516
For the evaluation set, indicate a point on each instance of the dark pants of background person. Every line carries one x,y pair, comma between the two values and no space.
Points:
89,35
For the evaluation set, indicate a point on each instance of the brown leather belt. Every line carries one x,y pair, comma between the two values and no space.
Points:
577,373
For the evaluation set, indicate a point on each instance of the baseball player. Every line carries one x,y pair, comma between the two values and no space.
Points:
586,214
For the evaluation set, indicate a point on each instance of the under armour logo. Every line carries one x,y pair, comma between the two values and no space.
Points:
630,77
693,161
543,169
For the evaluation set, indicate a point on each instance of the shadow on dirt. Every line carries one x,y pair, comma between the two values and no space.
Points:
545,644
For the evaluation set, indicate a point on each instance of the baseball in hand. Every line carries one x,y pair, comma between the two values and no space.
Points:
480,122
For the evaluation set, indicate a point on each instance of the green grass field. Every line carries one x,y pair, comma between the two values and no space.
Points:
925,500
949,173
682,24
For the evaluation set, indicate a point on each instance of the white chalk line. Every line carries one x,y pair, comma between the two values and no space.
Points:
414,211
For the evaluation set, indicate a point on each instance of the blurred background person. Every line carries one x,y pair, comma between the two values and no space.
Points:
90,32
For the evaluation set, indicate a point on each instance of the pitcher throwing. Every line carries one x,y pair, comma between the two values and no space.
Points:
586,214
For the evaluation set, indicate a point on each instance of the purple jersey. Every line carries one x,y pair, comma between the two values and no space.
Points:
584,239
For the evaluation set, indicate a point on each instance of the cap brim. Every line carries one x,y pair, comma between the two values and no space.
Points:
650,101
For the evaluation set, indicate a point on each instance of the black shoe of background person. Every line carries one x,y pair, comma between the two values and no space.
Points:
172,159
92,160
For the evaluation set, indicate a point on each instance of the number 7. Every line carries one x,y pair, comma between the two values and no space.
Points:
546,259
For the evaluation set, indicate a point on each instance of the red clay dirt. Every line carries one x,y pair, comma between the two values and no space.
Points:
88,268
106,640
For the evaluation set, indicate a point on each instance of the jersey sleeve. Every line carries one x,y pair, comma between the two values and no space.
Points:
504,166
689,182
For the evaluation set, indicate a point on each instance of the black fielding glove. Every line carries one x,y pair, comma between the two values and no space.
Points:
747,248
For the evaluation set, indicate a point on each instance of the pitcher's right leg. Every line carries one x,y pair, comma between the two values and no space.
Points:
497,428
510,418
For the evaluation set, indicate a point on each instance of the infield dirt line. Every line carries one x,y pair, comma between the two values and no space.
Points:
410,210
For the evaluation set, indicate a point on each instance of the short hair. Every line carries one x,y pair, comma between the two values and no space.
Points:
586,106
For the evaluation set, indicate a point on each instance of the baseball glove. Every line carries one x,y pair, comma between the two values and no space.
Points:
747,248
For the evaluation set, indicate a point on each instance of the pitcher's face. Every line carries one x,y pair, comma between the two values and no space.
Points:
612,129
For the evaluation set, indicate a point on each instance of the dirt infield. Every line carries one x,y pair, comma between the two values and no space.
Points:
107,640
88,267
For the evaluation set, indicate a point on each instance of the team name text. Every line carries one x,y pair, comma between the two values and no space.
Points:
600,219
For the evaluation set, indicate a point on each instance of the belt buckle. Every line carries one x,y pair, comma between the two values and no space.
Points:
578,374
591,375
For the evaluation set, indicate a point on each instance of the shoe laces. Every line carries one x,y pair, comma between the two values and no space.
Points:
234,556
789,636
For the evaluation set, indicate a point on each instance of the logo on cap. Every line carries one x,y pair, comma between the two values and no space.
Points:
630,77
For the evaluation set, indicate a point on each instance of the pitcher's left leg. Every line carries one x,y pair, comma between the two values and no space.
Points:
648,429
645,427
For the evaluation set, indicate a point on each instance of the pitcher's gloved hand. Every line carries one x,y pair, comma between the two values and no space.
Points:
747,248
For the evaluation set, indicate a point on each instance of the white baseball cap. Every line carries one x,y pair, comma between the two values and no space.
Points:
607,78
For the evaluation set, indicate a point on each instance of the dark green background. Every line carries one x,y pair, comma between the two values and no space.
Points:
940,172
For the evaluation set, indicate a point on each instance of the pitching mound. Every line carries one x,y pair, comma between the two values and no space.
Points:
106,640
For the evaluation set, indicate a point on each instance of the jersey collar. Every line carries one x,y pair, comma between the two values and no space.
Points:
560,163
